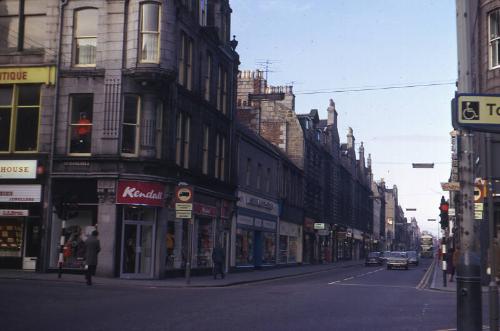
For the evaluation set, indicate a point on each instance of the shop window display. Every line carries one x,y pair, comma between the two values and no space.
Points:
269,256
75,233
244,247
176,241
205,243
11,238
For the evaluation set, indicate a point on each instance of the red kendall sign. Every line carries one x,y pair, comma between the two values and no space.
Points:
131,192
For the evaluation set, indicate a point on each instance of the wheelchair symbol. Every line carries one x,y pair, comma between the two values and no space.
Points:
470,111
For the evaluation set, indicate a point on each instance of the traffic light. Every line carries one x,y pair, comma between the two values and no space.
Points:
65,207
443,207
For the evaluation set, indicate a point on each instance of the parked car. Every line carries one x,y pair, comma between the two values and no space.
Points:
373,258
398,260
413,257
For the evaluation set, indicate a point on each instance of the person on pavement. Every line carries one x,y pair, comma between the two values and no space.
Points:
218,257
92,248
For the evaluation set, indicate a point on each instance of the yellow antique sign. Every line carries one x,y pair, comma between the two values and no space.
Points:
25,75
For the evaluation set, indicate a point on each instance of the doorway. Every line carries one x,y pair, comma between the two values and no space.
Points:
138,241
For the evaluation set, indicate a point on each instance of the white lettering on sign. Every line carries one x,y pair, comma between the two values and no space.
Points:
13,212
132,192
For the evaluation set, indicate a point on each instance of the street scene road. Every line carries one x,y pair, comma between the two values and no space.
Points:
350,298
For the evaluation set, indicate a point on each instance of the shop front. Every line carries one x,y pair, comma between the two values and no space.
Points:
74,218
20,215
290,243
210,227
140,203
256,232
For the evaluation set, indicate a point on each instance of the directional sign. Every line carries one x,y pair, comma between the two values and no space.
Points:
183,206
183,214
478,112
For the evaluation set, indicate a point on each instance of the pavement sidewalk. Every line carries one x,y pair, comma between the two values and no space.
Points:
196,281
437,280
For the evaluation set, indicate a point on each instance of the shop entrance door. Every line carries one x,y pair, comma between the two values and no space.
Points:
137,249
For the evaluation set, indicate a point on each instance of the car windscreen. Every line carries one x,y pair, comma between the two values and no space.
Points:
374,254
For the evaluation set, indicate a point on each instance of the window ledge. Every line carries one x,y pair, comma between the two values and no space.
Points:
37,51
152,74
82,71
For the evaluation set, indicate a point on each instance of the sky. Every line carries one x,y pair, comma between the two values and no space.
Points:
330,46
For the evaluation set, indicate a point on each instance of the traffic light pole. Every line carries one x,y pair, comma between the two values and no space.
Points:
469,305
493,288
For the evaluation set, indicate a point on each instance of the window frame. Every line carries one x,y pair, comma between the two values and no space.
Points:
248,171
208,78
205,150
178,140
14,110
186,141
186,55
70,124
143,32
137,125
493,40
76,38
21,39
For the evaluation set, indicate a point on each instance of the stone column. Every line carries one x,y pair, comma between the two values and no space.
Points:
106,225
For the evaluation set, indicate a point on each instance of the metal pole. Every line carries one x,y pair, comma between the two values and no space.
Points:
190,250
443,254
493,288
469,305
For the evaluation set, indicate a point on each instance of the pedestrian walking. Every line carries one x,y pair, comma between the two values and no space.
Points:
218,258
92,248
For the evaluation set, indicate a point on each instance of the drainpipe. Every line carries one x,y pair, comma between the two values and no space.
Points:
47,237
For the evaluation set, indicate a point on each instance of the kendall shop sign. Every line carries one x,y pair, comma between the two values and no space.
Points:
140,193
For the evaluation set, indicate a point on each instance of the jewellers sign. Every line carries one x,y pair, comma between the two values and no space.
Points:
17,169
13,212
140,193
20,193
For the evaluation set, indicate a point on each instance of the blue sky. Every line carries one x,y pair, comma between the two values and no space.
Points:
338,44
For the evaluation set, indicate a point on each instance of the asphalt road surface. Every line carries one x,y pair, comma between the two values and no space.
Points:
354,298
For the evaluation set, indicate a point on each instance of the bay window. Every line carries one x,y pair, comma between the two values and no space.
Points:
494,38
150,33
130,125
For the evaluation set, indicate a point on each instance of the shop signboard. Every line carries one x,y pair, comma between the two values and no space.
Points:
319,226
25,75
205,210
14,212
18,169
131,192
20,193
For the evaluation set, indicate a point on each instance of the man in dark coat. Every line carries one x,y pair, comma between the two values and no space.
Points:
92,248
218,257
